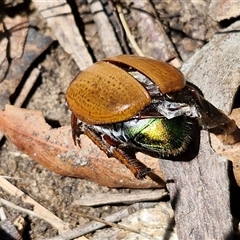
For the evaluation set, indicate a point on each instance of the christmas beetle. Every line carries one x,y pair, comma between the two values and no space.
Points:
141,103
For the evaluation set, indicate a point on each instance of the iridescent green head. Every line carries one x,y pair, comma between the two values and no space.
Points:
165,136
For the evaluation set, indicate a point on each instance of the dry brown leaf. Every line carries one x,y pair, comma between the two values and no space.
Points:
16,28
55,150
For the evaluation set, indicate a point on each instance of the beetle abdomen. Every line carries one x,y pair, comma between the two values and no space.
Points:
165,136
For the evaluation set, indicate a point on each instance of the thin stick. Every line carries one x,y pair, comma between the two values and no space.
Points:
112,224
27,87
39,210
24,210
2,214
128,32
127,198
93,226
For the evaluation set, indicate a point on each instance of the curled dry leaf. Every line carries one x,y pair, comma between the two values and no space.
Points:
55,150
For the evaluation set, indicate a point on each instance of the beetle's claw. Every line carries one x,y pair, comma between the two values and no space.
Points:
77,142
76,137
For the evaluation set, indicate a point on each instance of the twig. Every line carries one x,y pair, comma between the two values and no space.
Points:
24,210
110,45
59,17
128,32
27,87
93,226
127,198
39,211
2,214
8,177
113,16
111,224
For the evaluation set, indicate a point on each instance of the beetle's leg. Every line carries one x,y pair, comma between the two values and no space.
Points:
76,130
111,149
134,165
210,117
215,120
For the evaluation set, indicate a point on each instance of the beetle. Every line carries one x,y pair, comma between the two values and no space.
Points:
137,102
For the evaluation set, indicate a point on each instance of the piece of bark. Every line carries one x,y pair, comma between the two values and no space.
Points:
215,68
154,41
98,199
59,17
199,189
17,28
222,9
35,44
4,64
199,192
9,231
110,45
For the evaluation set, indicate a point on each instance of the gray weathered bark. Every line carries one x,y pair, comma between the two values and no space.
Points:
199,191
